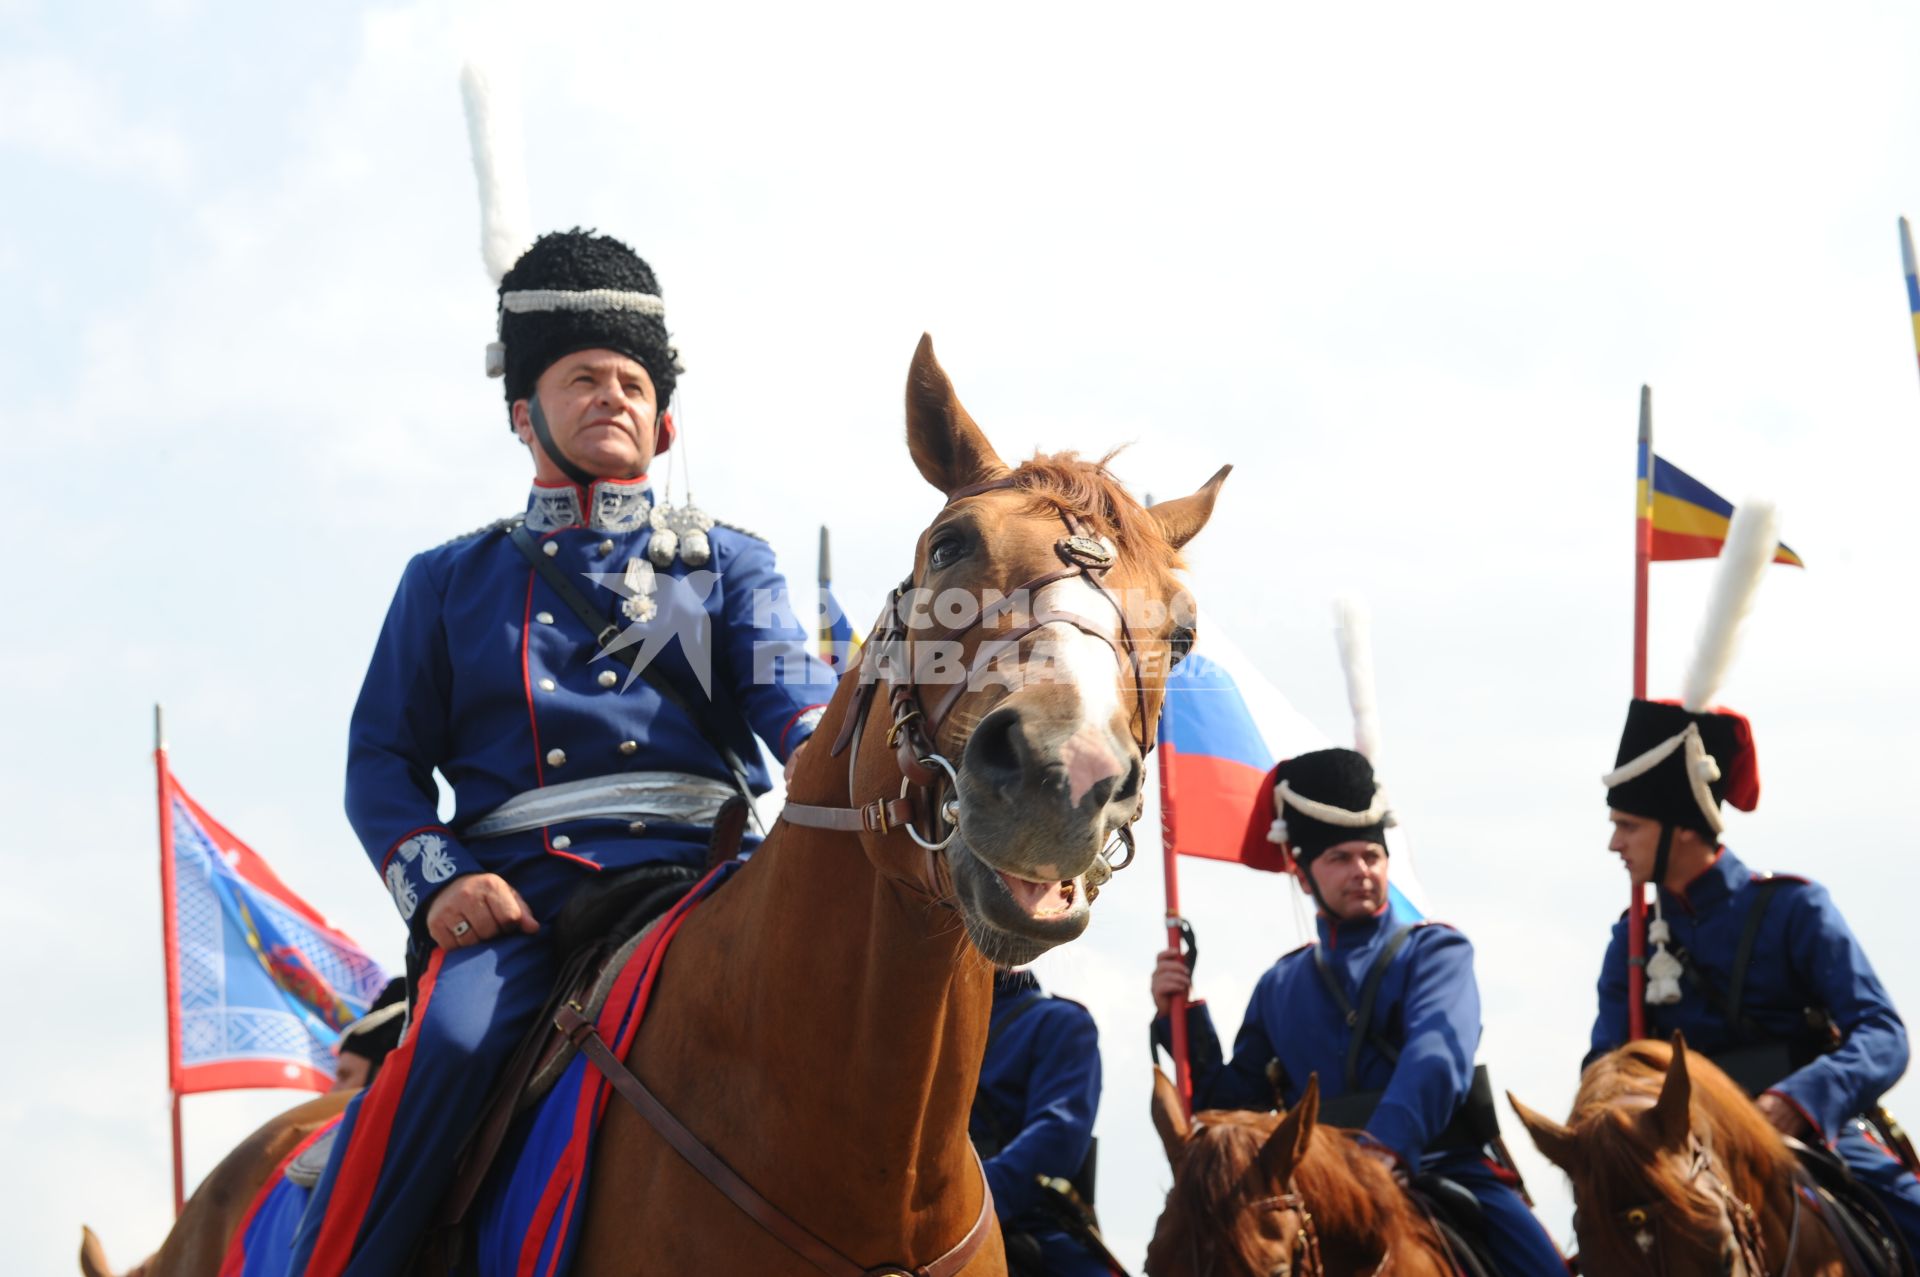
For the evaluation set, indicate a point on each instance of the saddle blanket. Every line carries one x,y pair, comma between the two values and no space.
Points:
527,1218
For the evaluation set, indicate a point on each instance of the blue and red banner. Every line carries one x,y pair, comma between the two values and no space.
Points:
259,984
1223,726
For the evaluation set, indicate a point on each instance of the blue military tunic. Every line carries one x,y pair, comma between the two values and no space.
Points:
1804,957
1039,1091
556,761
1427,1007
483,673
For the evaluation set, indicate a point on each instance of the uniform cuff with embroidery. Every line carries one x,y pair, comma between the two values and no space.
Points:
420,864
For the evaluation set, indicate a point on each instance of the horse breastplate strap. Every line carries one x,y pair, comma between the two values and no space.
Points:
784,1228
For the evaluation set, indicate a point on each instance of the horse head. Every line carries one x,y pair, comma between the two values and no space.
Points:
1663,1167
1024,663
1234,1209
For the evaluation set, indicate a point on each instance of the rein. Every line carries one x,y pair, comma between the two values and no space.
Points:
912,732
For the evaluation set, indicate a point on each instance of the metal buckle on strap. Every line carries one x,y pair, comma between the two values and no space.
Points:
904,713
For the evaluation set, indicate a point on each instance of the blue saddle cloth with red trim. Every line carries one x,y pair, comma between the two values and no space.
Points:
528,1215
528,1218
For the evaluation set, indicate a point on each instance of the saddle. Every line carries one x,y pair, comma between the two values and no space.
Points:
1869,1239
1461,1221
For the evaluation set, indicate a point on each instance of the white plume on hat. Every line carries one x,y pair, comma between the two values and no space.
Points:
1353,629
499,162
1751,541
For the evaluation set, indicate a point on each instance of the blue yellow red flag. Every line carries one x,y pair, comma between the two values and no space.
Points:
1690,519
1913,282
1223,726
259,983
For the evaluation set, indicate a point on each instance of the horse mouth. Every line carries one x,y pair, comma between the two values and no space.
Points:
1011,918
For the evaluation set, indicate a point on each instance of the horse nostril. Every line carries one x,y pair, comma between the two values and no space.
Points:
1129,790
995,750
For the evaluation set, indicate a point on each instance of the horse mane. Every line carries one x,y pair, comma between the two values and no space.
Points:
1349,1193
1067,481
1622,1166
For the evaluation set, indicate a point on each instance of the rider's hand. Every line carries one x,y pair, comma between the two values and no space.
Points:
1785,1118
487,903
1171,979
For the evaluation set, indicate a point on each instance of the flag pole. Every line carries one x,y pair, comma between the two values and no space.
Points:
823,623
1642,558
170,957
1176,924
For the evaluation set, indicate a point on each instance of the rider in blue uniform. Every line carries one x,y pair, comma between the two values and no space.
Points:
563,764
1801,1020
1408,1082
1033,1118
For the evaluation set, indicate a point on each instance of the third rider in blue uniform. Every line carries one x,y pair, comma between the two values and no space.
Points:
1407,1084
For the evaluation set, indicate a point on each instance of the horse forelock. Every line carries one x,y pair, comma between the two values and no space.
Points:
1088,489
1348,1193
1620,1167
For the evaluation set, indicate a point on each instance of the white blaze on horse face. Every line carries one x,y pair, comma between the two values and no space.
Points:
1091,666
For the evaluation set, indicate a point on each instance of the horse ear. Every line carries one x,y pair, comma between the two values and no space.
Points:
1671,1117
1182,517
1288,1143
1169,1118
946,445
1554,1141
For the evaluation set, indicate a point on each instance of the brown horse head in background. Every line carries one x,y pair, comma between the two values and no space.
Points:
1278,1195
1675,1172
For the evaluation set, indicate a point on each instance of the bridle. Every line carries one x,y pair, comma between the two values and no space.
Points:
913,730
1743,1222
1302,1258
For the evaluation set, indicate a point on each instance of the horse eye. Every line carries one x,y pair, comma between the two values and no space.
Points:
946,550
1181,641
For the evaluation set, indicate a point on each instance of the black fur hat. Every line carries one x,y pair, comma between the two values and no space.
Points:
578,290
1337,779
1664,790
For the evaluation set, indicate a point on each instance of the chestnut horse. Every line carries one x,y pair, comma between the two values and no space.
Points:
1272,1195
1676,1172
819,1023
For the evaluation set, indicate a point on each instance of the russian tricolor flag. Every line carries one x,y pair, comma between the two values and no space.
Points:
1223,726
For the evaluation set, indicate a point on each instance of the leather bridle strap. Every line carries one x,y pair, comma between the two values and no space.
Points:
783,1227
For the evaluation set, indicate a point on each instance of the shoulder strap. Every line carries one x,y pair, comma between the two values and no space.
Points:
1743,955
1360,1019
1000,1026
605,631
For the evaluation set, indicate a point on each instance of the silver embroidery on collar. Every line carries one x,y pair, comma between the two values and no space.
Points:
616,508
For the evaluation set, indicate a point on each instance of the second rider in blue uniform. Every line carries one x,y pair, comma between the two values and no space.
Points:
1425,1023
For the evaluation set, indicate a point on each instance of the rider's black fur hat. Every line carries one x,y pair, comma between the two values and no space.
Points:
1331,797
578,290
1664,791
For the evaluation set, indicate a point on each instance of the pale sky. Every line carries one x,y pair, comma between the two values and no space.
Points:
1406,267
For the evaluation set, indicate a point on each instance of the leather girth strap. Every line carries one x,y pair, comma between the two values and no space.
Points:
783,1227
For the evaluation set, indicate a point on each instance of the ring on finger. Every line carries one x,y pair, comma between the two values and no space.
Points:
461,928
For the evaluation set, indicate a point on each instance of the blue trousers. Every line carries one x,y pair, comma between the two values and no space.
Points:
1873,1165
1520,1244
394,1157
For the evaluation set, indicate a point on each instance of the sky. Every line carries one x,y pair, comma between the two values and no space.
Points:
1405,267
